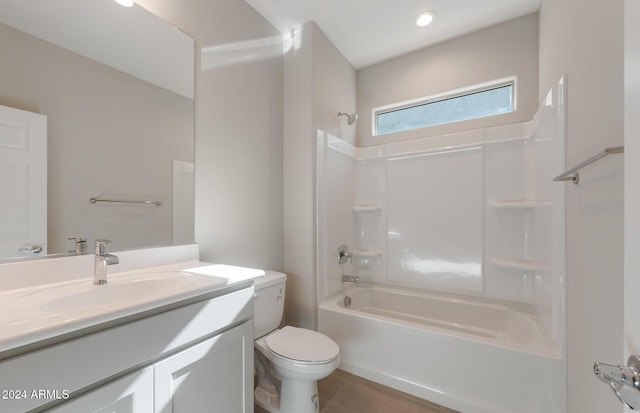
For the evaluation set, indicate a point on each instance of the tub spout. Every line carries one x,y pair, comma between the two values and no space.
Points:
350,279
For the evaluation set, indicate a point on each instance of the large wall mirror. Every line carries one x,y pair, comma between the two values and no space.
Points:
114,86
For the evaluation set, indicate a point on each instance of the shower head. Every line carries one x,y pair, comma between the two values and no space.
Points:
351,118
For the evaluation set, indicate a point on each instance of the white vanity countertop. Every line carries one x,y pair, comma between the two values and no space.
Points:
45,311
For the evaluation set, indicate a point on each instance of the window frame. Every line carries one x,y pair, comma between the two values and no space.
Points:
451,94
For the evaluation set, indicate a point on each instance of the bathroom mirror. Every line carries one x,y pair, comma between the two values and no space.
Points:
116,86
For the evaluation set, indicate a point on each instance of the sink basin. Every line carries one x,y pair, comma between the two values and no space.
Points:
118,291
115,291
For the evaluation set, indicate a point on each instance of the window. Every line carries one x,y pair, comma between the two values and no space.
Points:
478,103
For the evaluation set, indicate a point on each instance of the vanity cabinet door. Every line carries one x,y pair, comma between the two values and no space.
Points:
215,375
130,394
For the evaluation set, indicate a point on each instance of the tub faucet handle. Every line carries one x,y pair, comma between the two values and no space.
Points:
343,254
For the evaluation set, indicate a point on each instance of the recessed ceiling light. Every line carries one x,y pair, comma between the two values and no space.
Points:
125,3
425,18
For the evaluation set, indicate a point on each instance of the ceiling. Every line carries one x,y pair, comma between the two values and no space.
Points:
371,31
110,35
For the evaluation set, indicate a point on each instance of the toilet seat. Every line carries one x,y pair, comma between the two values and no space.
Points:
302,345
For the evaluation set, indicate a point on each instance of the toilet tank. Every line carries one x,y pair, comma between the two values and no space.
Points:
268,303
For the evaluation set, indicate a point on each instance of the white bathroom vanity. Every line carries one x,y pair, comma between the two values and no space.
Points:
167,334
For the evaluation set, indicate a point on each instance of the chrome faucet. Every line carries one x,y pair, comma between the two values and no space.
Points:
350,279
102,260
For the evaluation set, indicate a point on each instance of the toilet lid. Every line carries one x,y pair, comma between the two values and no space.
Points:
302,344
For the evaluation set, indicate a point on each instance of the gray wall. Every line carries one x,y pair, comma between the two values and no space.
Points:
299,188
587,44
239,195
334,88
318,83
504,50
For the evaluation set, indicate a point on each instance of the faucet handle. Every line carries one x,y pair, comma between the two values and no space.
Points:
101,246
343,254
80,245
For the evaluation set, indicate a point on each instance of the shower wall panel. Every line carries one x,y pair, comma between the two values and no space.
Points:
547,153
335,171
507,231
435,220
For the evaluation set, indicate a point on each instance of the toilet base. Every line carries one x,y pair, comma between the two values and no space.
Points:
299,396
296,396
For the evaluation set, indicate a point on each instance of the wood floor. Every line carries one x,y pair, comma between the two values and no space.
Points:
345,393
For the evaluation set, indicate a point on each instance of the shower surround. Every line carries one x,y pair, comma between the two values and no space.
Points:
468,220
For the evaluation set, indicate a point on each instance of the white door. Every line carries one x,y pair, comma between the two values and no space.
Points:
23,183
632,179
626,392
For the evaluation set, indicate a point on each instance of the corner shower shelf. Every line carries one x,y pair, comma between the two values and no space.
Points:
367,253
367,208
518,203
517,264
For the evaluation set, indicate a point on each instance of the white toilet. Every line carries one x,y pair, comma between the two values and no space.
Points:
289,360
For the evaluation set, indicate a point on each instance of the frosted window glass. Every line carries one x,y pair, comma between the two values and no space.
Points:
470,106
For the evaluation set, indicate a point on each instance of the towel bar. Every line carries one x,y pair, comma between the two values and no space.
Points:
573,175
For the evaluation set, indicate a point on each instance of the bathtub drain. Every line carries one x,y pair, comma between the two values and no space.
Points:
347,301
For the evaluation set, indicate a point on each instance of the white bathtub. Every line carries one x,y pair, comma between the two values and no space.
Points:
471,355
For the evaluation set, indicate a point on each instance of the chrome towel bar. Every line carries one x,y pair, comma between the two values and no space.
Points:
573,175
125,201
